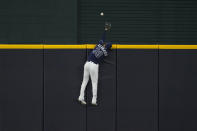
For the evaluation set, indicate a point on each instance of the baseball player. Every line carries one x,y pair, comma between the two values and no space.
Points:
91,67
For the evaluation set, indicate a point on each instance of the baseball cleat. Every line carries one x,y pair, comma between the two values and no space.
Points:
94,104
82,101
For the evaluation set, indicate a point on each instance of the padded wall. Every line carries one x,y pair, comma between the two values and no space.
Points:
177,87
63,76
138,89
137,104
21,99
103,117
176,67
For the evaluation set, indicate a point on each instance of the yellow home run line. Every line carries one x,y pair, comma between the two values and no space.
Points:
91,46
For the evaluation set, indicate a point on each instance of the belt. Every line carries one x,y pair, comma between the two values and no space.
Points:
93,62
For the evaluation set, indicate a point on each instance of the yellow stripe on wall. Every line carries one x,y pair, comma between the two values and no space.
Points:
177,46
91,46
65,46
137,46
21,46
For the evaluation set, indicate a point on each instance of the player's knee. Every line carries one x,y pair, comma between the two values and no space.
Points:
94,86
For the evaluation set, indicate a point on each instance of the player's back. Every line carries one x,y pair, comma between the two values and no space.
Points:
98,53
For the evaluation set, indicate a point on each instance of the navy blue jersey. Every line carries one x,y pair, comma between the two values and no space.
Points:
100,51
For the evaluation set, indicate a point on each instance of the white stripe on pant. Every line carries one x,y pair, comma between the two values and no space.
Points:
90,70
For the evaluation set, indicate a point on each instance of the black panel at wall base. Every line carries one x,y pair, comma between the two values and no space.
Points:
137,90
177,90
21,75
102,117
63,77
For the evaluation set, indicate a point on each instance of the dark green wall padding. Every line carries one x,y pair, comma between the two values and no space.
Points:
140,21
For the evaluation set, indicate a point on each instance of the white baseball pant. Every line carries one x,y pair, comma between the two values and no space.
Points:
90,71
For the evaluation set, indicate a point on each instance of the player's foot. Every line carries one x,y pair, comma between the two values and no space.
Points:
94,104
94,101
82,101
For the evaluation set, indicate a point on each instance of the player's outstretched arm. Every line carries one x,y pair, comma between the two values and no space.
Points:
103,38
107,28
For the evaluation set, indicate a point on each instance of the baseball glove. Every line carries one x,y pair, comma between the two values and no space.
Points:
107,25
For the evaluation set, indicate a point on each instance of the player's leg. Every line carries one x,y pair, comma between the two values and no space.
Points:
94,69
84,83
